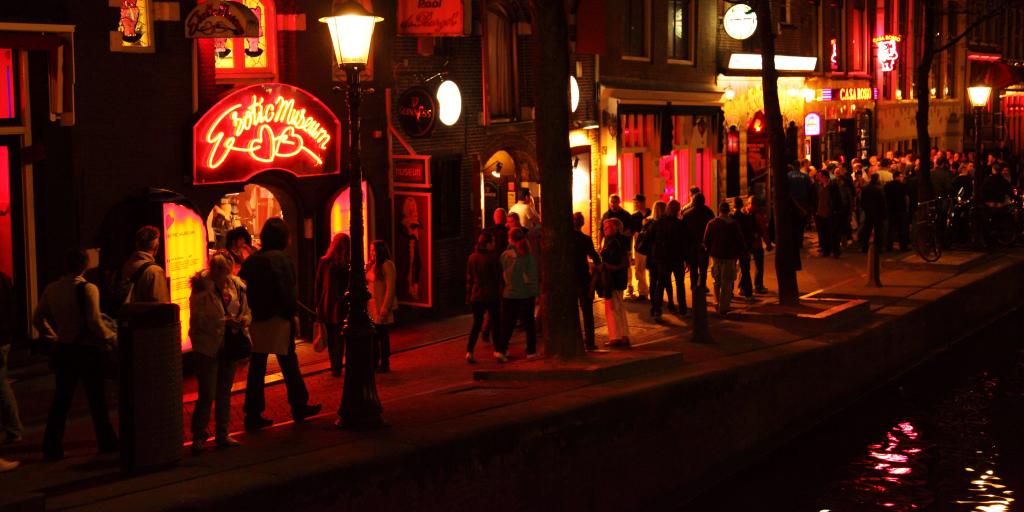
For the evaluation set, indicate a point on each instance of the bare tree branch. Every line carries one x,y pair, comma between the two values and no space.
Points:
974,24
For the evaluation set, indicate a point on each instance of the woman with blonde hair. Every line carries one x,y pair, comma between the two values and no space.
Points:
521,288
332,276
218,328
614,262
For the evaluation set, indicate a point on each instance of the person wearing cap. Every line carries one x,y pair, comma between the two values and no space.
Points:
640,216
151,284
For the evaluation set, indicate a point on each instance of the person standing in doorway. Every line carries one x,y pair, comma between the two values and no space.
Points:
69,314
272,292
483,289
149,282
332,276
724,243
380,278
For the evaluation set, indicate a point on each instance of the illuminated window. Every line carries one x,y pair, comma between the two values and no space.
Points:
7,85
680,32
242,57
135,27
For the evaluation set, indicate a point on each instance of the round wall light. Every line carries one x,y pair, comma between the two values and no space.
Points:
574,93
449,100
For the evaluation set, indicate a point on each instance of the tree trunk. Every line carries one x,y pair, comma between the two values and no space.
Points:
786,247
921,89
559,311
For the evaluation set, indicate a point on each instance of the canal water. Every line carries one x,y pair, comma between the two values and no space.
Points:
948,435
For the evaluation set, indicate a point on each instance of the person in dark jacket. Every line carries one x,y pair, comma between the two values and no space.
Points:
582,249
872,201
826,215
270,281
671,243
332,275
695,222
898,202
762,240
724,242
483,289
614,264
748,227
616,211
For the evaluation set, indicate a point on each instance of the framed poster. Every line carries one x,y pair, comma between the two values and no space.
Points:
412,240
410,171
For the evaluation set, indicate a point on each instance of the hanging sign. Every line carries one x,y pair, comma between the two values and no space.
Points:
833,60
740,21
887,54
416,108
812,125
221,18
433,17
411,171
264,127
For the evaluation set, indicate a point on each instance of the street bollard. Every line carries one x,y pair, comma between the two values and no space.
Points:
150,411
874,267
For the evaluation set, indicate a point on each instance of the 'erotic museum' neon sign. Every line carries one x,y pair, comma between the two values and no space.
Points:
264,127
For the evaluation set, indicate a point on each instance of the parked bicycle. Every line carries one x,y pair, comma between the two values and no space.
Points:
925,233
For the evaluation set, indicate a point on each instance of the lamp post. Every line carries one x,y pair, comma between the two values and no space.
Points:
351,28
978,95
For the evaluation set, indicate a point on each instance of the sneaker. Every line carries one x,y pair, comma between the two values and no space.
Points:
305,412
500,358
227,442
198,444
8,465
257,422
533,356
469,358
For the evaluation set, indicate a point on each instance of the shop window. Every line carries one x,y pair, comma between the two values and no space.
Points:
341,217
680,30
632,176
8,104
6,238
446,185
502,68
858,40
636,19
249,57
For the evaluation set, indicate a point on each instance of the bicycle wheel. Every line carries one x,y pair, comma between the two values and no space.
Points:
926,242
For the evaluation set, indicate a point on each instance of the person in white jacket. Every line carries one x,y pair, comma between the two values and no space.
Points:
218,310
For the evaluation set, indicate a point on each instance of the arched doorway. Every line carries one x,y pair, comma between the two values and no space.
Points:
341,215
509,169
251,209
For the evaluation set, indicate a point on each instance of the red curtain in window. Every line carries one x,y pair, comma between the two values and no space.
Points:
501,77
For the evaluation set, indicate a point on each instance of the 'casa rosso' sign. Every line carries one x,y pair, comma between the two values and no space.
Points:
432,17
264,127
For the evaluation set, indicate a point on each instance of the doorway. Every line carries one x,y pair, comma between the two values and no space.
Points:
251,209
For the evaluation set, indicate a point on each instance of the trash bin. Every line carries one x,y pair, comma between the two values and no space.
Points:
149,344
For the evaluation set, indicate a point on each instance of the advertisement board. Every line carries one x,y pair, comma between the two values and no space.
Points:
184,255
412,239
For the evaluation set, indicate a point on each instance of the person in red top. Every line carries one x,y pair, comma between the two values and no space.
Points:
483,289
724,243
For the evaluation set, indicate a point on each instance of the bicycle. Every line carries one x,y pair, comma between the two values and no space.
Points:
925,233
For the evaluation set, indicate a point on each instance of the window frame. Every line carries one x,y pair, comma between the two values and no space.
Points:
236,74
497,9
645,34
672,58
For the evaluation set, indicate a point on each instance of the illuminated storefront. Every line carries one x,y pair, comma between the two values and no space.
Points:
846,116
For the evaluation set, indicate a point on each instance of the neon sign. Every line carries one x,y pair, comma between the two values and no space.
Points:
812,124
850,94
264,127
887,54
834,59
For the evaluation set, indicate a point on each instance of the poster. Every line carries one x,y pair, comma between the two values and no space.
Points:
412,238
184,255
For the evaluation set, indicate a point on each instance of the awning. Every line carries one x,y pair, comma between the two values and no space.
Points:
996,74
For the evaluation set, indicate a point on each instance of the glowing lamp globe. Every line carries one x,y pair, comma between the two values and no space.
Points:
351,28
979,95
449,100
574,93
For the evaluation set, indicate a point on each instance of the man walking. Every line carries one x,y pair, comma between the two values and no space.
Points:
748,228
724,243
873,203
695,221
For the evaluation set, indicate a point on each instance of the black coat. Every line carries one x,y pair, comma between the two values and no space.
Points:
270,285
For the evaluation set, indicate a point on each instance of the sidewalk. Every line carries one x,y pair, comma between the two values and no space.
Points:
431,384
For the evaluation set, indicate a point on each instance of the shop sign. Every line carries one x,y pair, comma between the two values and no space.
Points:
433,17
850,94
416,108
740,21
411,171
218,18
812,125
833,60
264,127
887,54
184,255
413,234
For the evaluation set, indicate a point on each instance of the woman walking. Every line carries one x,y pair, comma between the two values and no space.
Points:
613,282
380,278
219,324
520,276
332,275
483,289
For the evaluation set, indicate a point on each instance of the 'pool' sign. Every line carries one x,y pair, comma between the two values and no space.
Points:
264,127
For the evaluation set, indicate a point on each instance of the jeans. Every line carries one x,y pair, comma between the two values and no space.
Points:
615,315
665,273
215,376
746,286
298,396
724,273
493,310
512,311
758,256
871,225
335,347
698,265
71,364
641,274
382,346
586,303
10,422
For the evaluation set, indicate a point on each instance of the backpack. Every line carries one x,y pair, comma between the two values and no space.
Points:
120,290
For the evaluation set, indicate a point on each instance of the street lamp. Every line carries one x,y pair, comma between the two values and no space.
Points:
979,98
351,28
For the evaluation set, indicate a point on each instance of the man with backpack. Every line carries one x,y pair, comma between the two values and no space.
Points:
143,279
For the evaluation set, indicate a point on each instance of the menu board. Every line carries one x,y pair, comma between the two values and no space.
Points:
184,255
